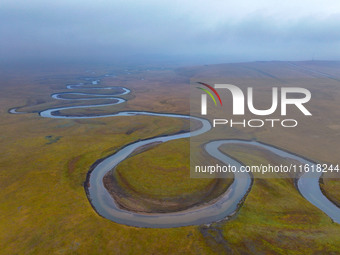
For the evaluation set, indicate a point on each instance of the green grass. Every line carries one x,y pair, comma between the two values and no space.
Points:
276,219
44,209
162,171
158,180
43,203
331,187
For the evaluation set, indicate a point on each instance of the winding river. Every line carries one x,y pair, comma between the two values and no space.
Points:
223,207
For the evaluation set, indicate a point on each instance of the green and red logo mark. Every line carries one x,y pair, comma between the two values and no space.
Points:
209,93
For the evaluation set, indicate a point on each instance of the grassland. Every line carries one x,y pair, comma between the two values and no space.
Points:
158,181
44,162
330,187
275,218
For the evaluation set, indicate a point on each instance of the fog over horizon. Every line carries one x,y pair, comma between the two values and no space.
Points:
192,31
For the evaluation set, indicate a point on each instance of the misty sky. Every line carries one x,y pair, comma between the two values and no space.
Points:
215,30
